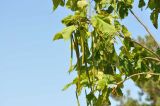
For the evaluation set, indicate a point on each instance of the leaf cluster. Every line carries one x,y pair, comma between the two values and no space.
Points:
93,31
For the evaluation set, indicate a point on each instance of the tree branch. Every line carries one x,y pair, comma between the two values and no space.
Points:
146,49
145,27
121,35
155,59
133,75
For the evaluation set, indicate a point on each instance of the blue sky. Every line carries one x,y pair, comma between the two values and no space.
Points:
33,68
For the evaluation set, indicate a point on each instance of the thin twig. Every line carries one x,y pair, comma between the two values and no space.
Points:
143,73
155,59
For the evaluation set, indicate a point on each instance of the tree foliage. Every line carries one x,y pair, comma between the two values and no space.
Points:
150,87
93,31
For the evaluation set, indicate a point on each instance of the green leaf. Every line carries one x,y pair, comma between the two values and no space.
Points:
151,4
72,4
125,31
71,68
90,97
117,25
67,86
141,3
128,44
101,84
65,33
109,78
62,2
58,36
102,26
119,92
123,8
158,51
82,3
110,9
154,18
129,2
56,3
68,20
139,62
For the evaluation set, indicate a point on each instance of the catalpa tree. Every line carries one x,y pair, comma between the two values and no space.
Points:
93,30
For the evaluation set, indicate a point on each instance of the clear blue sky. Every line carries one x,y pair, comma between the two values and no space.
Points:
33,69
